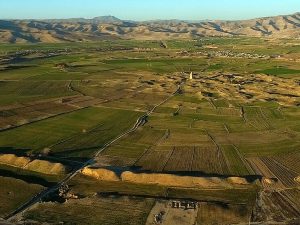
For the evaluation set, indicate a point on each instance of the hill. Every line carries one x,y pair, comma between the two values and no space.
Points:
109,27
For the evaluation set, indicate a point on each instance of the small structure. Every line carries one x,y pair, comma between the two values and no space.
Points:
65,100
191,76
184,205
158,218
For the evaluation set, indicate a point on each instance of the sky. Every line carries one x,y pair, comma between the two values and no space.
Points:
146,9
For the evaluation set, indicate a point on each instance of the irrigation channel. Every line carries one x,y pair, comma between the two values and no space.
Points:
37,198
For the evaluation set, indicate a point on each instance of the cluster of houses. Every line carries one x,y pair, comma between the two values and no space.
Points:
227,53
231,54
184,204
9,56
35,51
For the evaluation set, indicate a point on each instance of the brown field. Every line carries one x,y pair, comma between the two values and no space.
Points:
156,159
290,160
285,175
222,214
181,159
83,101
274,174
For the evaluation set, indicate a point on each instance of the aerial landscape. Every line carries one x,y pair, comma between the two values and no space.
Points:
151,119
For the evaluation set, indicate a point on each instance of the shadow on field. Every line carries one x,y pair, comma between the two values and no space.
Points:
16,151
26,177
80,154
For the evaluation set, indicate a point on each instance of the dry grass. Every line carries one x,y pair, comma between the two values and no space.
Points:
45,167
40,166
100,174
161,179
211,214
13,160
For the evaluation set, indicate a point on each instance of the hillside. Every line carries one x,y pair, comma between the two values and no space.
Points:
108,27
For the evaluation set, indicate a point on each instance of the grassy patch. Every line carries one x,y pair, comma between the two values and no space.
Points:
14,192
279,71
70,127
96,210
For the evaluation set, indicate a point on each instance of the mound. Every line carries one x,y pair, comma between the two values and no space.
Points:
42,166
237,180
269,181
13,160
169,180
100,174
173,180
297,179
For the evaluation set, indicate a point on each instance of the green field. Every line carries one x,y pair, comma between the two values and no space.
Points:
78,131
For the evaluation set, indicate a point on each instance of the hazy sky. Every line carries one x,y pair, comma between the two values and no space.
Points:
146,9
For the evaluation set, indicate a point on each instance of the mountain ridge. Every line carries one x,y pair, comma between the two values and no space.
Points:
110,27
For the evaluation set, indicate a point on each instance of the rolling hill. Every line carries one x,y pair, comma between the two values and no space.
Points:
109,27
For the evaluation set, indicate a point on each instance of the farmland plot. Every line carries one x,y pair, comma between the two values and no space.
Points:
286,176
256,118
12,197
27,91
229,111
209,161
201,159
293,195
188,137
272,113
26,113
61,133
181,159
276,206
134,145
265,143
84,101
209,125
87,142
166,121
220,103
274,172
213,213
156,159
271,181
93,210
237,164
290,160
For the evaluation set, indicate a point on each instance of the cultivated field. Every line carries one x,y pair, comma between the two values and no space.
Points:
228,138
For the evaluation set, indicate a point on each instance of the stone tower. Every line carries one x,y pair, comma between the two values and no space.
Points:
191,76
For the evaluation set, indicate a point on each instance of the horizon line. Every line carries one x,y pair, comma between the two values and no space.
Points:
91,18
